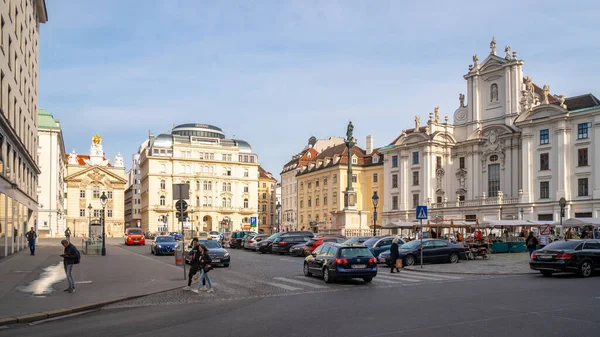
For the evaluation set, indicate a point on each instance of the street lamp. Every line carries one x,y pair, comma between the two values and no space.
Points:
521,211
562,203
89,220
278,207
375,199
103,199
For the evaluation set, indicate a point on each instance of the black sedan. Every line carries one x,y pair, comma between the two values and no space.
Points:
572,256
218,254
298,250
341,261
433,251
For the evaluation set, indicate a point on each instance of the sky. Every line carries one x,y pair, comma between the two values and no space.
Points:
275,73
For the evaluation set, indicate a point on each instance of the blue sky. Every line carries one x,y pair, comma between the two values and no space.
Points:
275,73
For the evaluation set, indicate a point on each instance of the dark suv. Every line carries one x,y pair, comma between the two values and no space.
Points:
341,261
265,245
282,244
236,239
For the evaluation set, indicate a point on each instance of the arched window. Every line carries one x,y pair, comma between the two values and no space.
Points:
163,185
224,202
197,201
212,169
205,201
163,200
209,201
246,203
228,202
246,173
163,168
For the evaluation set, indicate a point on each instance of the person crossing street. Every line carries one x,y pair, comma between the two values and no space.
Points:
195,255
68,234
31,237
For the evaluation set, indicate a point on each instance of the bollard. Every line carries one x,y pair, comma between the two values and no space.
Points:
178,257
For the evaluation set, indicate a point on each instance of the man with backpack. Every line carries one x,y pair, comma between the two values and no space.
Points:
71,257
31,237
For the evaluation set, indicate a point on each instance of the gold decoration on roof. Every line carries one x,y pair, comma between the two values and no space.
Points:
96,139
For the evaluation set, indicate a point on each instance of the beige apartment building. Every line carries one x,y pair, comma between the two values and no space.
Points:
88,176
322,182
19,45
267,201
222,175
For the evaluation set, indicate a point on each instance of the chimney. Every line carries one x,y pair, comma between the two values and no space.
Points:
369,144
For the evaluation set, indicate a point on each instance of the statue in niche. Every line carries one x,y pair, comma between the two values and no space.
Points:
462,181
494,93
437,114
417,122
507,51
461,99
475,61
439,174
493,46
546,94
493,137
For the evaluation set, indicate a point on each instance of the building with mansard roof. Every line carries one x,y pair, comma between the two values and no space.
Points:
513,150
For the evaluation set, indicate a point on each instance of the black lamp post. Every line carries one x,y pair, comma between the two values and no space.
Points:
375,199
278,216
562,203
89,220
103,199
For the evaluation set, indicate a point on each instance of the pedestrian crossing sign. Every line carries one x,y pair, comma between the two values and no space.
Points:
421,212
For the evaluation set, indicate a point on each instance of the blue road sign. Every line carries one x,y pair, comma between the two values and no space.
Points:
421,212
253,221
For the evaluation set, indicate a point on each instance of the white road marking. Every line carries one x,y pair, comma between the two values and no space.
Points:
428,275
378,279
285,259
308,284
83,282
278,285
389,277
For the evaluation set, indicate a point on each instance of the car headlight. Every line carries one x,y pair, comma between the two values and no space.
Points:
226,255
158,246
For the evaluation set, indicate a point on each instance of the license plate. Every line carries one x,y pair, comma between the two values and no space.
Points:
358,266
545,257
216,260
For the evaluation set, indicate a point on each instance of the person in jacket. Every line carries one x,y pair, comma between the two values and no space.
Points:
68,234
394,255
195,255
205,266
31,237
69,256
531,243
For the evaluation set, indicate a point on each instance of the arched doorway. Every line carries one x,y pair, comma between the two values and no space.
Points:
207,223
95,229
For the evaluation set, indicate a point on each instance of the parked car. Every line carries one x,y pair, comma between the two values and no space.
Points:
251,244
434,250
283,243
358,239
581,257
266,244
380,244
236,238
298,250
176,236
247,239
336,261
218,254
317,241
134,236
163,244
214,234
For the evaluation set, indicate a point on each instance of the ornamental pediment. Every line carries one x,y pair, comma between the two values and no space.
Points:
96,175
545,111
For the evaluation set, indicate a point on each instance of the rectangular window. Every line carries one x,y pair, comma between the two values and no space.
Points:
110,194
461,197
395,202
545,217
415,200
317,183
354,178
335,197
461,162
438,162
582,187
97,213
246,189
415,158
544,161
325,200
544,189
582,130
544,136
109,213
301,203
264,208
82,212
82,194
335,178
394,161
415,176
493,180
374,177
96,191
394,180
582,157
325,181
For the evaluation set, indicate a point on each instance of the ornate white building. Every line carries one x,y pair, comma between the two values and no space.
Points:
52,163
513,151
222,174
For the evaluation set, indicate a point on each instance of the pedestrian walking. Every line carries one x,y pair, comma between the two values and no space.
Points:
195,255
71,257
68,234
31,237
531,243
395,256
205,265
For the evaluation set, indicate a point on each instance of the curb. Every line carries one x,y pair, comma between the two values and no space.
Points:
71,310
463,273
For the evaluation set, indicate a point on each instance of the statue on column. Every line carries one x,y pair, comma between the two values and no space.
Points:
437,114
96,148
119,160
493,46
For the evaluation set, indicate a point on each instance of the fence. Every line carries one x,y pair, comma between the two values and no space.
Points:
349,233
91,247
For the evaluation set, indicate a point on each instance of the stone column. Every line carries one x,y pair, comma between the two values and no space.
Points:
596,164
562,178
404,202
426,178
527,165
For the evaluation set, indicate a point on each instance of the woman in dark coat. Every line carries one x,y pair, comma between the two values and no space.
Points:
394,255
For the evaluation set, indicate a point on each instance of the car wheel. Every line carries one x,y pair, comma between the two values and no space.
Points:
281,253
226,265
546,273
262,252
306,271
586,269
367,279
327,276
454,258
409,260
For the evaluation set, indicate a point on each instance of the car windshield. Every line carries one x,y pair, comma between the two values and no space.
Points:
213,233
355,252
371,242
561,245
135,232
210,243
165,239
411,245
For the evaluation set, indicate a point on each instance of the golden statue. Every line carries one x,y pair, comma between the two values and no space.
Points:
96,139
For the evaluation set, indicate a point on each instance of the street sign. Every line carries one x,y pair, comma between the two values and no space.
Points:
181,191
253,221
421,212
545,230
181,205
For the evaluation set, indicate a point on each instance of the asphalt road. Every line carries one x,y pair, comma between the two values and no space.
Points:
259,295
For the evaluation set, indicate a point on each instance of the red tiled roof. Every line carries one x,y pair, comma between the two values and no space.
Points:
82,158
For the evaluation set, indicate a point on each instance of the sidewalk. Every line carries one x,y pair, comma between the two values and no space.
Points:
34,284
496,264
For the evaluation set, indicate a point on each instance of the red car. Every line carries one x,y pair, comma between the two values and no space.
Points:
316,242
134,236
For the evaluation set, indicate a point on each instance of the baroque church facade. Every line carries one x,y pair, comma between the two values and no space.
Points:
513,150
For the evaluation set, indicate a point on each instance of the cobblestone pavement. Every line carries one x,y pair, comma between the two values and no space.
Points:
496,264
